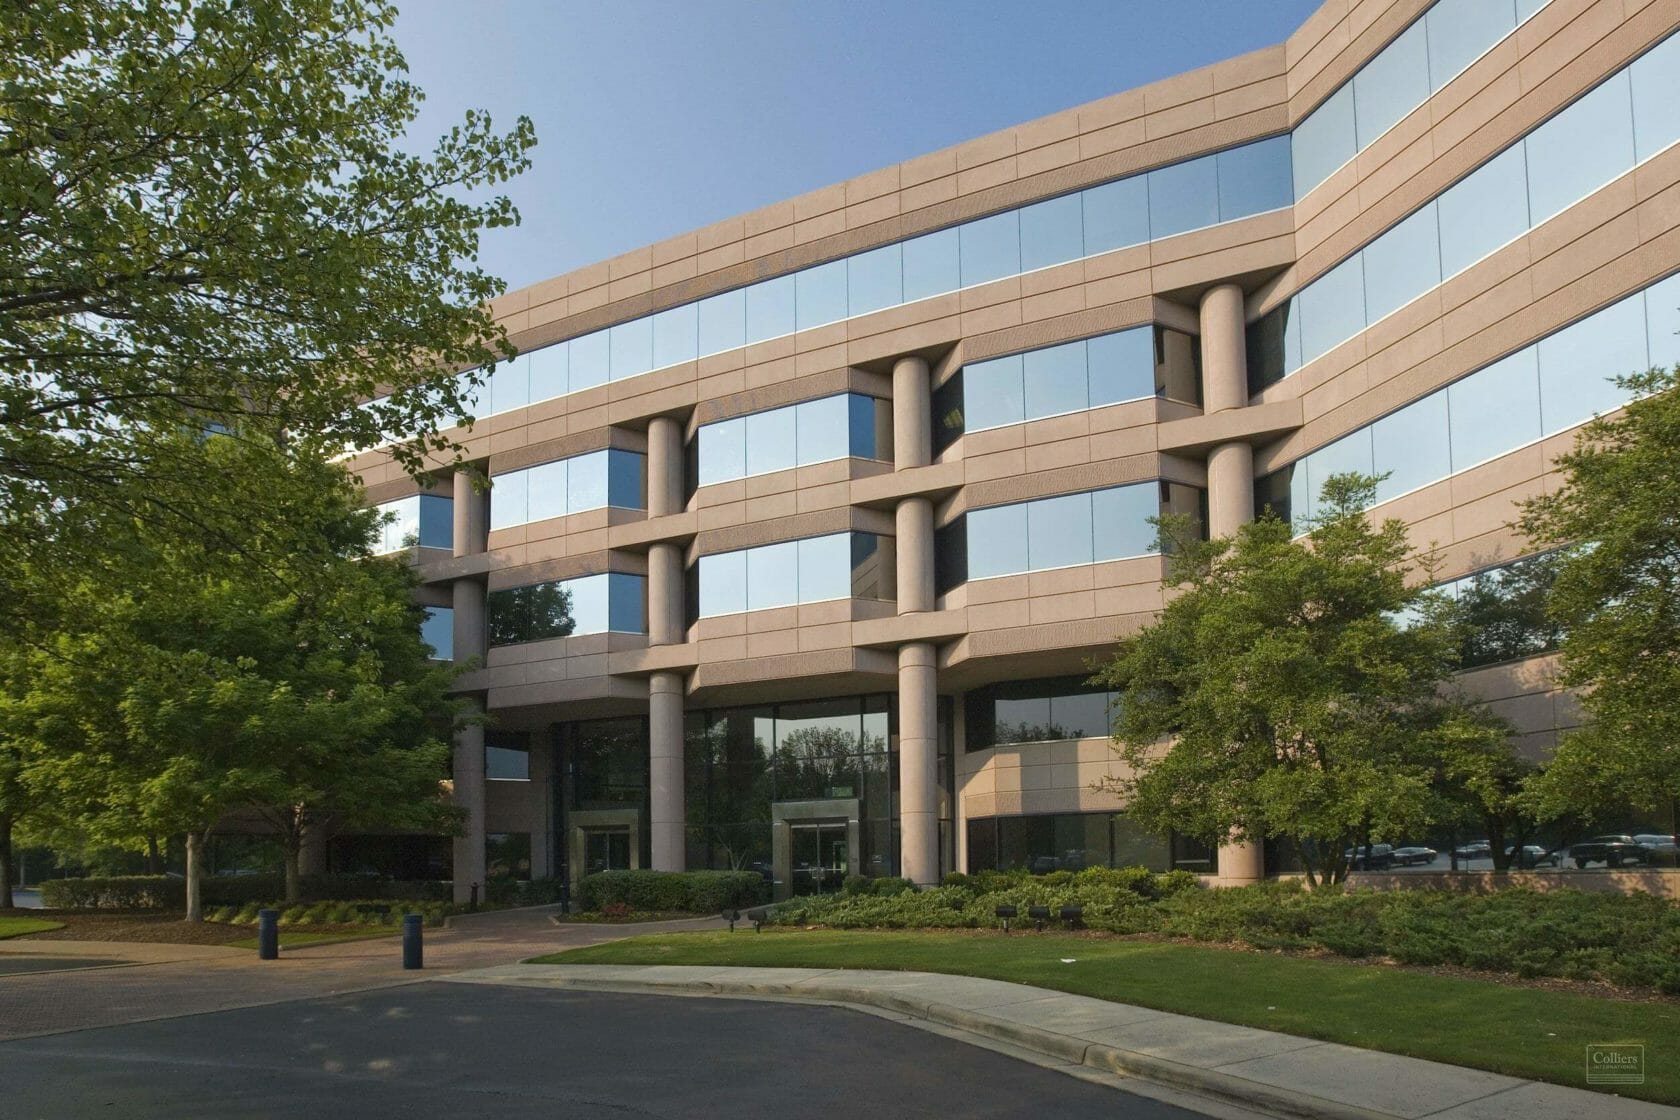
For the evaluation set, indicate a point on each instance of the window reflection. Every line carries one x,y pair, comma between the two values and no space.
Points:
1060,531
423,520
610,601
594,480
811,570
1046,842
800,435
1035,711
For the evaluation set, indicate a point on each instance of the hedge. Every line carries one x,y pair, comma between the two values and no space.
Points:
166,892
689,892
352,912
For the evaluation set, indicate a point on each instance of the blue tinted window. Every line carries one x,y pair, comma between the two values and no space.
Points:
1117,215
1662,315
825,568
548,372
437,526
676,335
1122,366
1579,364
1495,410
510,385
1580,149
770,441
590,608
875,280
1411,447
1254,178
1402,264
545,488
723,451
632,348
1183,197
1656,98
931,265
1486,209
1348,455
586,482
508,500
770,309
820,294
1324,141
990,248
773,576
625,485
861,413
723,583
1055,380
626,603
437,629
1052,232
1120,521
1392,84
591,360
723,322
823,429
997,541
1059,531
1332,309
993,394
1460,30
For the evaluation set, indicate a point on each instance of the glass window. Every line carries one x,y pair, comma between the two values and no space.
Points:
870,423
823,428
549,372
1120,521
1483,211
1324,141
931,265
990,248
589,608
874,562
772,576
1460,30
586,482
1274,346
723,322
770,309
507,763
545,488
997,541
1332,309
875,280
1052,232
591,360
510,385
507,855
1116,215
1254,178
626,603
1059,531
825,568
723,584
437,521
993,393
1402,264
723,451
1662,315
1021,719
1183,196
509,501
1349,455
676,334
820,294
1080,715
1580,149
1411,446
1656,98
770,445
632,347
626,479
1122,366
1495,410
1055,380
1579,364
1392,84
437,629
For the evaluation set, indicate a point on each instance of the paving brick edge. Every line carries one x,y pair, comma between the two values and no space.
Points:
1067,1048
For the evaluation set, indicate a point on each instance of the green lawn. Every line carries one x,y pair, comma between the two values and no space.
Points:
17,927
292,939
1526,1032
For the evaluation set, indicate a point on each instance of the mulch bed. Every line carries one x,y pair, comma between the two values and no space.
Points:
152,926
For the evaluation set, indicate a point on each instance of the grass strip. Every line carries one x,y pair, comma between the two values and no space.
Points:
17,927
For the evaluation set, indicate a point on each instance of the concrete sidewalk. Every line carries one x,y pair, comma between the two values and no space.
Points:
1278,1073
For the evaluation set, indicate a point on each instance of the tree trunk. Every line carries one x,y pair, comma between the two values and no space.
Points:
195,876
154,861
292,847
6,902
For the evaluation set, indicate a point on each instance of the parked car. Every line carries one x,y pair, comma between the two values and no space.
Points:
1474,849
1370,857
1610,850
1659,849
1533,855
1412,855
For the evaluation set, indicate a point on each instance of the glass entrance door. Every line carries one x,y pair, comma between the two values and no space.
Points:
606,849
821,858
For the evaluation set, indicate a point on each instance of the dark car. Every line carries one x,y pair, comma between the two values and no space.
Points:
1415,854
1370,857
1474,849
1611,851
1660,849
1533,855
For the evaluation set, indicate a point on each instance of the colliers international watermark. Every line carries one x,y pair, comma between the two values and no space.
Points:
1617,1063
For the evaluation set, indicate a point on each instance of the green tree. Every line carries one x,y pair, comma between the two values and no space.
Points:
1278,696
1616,597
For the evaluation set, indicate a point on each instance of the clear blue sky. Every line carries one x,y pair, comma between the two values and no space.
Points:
654,117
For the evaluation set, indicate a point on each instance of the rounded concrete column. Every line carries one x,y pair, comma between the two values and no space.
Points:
665,467
470,520
914,539
665,596
469,798
918,764
468,597
665,770
1230,475
1241,863
1224,349
912,414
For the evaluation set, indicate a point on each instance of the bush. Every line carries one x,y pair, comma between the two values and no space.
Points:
689,892
166,892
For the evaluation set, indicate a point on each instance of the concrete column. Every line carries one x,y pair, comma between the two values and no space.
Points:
665,770
469,798
471,522
918,764
541,791
666,619
1224,349
912,414
1230,469
914,527
665,467
468,596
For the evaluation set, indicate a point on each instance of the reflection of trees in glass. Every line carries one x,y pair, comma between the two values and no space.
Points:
817,762
1501,614
609,764
729,795
529,614
1004,734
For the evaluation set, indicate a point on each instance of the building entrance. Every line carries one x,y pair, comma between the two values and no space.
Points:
821,857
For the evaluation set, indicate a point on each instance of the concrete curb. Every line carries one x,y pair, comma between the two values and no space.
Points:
1076,1051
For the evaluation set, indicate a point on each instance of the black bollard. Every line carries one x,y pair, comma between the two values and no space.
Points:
268,935
412,952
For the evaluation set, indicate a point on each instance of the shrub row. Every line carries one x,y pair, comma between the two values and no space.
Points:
689,892
353,912
166,892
